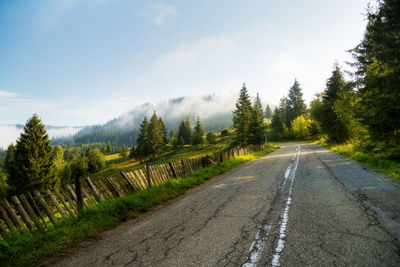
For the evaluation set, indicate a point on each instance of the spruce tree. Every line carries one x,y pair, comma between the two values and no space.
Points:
295,104
155,136
34,159
276,124
9,161
185,132
188,132
330,121
142,150
241,118
198,133
378,73
268,112
163,131
256,128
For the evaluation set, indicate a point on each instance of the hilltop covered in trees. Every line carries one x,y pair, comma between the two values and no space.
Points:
214,110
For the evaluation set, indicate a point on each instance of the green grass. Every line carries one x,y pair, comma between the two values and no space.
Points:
31,249
371,160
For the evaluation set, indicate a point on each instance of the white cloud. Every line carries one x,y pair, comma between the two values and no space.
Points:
5,94
163,14
10,133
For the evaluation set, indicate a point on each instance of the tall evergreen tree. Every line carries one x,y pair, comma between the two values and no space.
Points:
142,150
34,159
198,133
282,109
330,121
277,124
256,128
185,132
241,118
295,104
268,112
9,161
378,73
164,132
155,136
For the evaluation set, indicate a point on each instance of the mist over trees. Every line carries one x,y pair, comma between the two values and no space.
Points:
215,111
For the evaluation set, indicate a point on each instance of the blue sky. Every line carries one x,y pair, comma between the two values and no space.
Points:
80,62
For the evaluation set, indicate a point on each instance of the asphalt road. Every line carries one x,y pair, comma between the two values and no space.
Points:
299,206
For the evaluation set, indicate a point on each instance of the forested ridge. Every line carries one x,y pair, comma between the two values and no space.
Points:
124,130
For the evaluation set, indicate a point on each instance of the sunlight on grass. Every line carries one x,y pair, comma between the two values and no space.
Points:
372,160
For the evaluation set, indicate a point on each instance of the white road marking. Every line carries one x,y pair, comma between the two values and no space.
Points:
285,216
258,244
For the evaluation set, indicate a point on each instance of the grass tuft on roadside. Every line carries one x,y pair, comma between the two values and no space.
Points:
371,160
31,249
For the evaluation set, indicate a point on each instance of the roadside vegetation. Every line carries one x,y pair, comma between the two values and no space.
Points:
23,249
358,117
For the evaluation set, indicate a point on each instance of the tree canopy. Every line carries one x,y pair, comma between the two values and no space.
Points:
241,117
33,164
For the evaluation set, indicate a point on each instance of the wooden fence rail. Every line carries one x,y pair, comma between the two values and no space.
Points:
40,210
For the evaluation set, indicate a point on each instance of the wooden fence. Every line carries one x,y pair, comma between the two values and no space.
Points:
39,210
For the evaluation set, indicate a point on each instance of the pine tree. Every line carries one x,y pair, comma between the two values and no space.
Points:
34,159
330,122
198,133
132,152
188,132
378,73
283,110
95,160
163,131
295,104
109,148
142,150
241,118
155,136
9,161
185,132
268,112
256,128
276,125
59,162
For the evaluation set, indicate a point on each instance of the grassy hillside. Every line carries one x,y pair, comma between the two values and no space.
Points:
116,164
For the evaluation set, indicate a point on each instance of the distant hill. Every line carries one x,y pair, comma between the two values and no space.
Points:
215,113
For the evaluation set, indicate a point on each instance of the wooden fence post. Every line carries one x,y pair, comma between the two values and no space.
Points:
131,185
55,202
30,211
148,175
93,189
6,218
36,208
79,196
13,216
37,194
183,167
3,230
22,212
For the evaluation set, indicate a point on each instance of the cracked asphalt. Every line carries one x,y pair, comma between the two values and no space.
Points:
341,214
